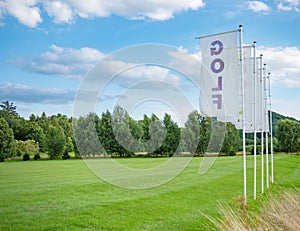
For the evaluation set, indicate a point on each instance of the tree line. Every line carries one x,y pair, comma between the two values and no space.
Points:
117,134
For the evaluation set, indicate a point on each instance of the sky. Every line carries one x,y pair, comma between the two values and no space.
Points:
49,48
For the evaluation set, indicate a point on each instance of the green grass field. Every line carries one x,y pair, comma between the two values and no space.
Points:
66,195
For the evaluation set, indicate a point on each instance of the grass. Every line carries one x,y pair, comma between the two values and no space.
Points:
66,195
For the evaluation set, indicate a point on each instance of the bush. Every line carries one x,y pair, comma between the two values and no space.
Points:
18,152
26,157
2,158
66,155
232,152
37,156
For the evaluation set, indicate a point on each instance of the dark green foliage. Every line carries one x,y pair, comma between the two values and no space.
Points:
171,142
26,157
55,142
37,156
251,148
6,139
66,155
288,134
2,158
191,133
85,133
120,135
28,146
231,140
9,107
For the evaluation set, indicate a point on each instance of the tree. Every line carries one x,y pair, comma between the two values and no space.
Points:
231,140
205,133
123,142
30,147
191,133
288,135
86,136
9,107
55,142
172,139
6,140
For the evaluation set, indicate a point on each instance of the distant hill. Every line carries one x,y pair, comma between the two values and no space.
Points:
276,117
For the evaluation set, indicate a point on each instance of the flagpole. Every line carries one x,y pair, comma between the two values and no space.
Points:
271,131
254,121
244,114
262,123
266,127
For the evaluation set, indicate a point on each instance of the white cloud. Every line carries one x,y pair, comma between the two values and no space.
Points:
127,75
28,94
25,11
288,5
280,6
134,9
75,63
283,63
144,73
67,62
258,6
59,11
29,12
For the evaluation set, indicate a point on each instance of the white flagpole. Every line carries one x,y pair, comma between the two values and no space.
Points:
271,131
266,127
254,121
262,124
244,114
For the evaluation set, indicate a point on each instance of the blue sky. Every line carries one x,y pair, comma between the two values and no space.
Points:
48,46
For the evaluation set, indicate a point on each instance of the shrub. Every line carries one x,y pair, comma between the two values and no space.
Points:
66,155
37,156
2,158
26,157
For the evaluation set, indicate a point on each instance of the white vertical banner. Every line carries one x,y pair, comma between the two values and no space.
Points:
265,101
220,80
258,103
249,88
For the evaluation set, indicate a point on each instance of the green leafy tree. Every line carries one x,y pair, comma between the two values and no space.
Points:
145,126
6,140
191,133
26,147
288,135
9,107
36,133
231,140
55,140
105,132
157,134
123,141
86,136
171,142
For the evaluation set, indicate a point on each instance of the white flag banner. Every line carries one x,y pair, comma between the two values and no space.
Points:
220,80
259,96
266,123
249,82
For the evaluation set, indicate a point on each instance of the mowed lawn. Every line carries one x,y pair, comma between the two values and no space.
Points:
66,195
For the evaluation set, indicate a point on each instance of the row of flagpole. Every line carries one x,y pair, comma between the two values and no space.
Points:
238,93
267,128
266,122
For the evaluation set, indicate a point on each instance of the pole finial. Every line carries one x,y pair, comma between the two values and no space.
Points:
261,55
